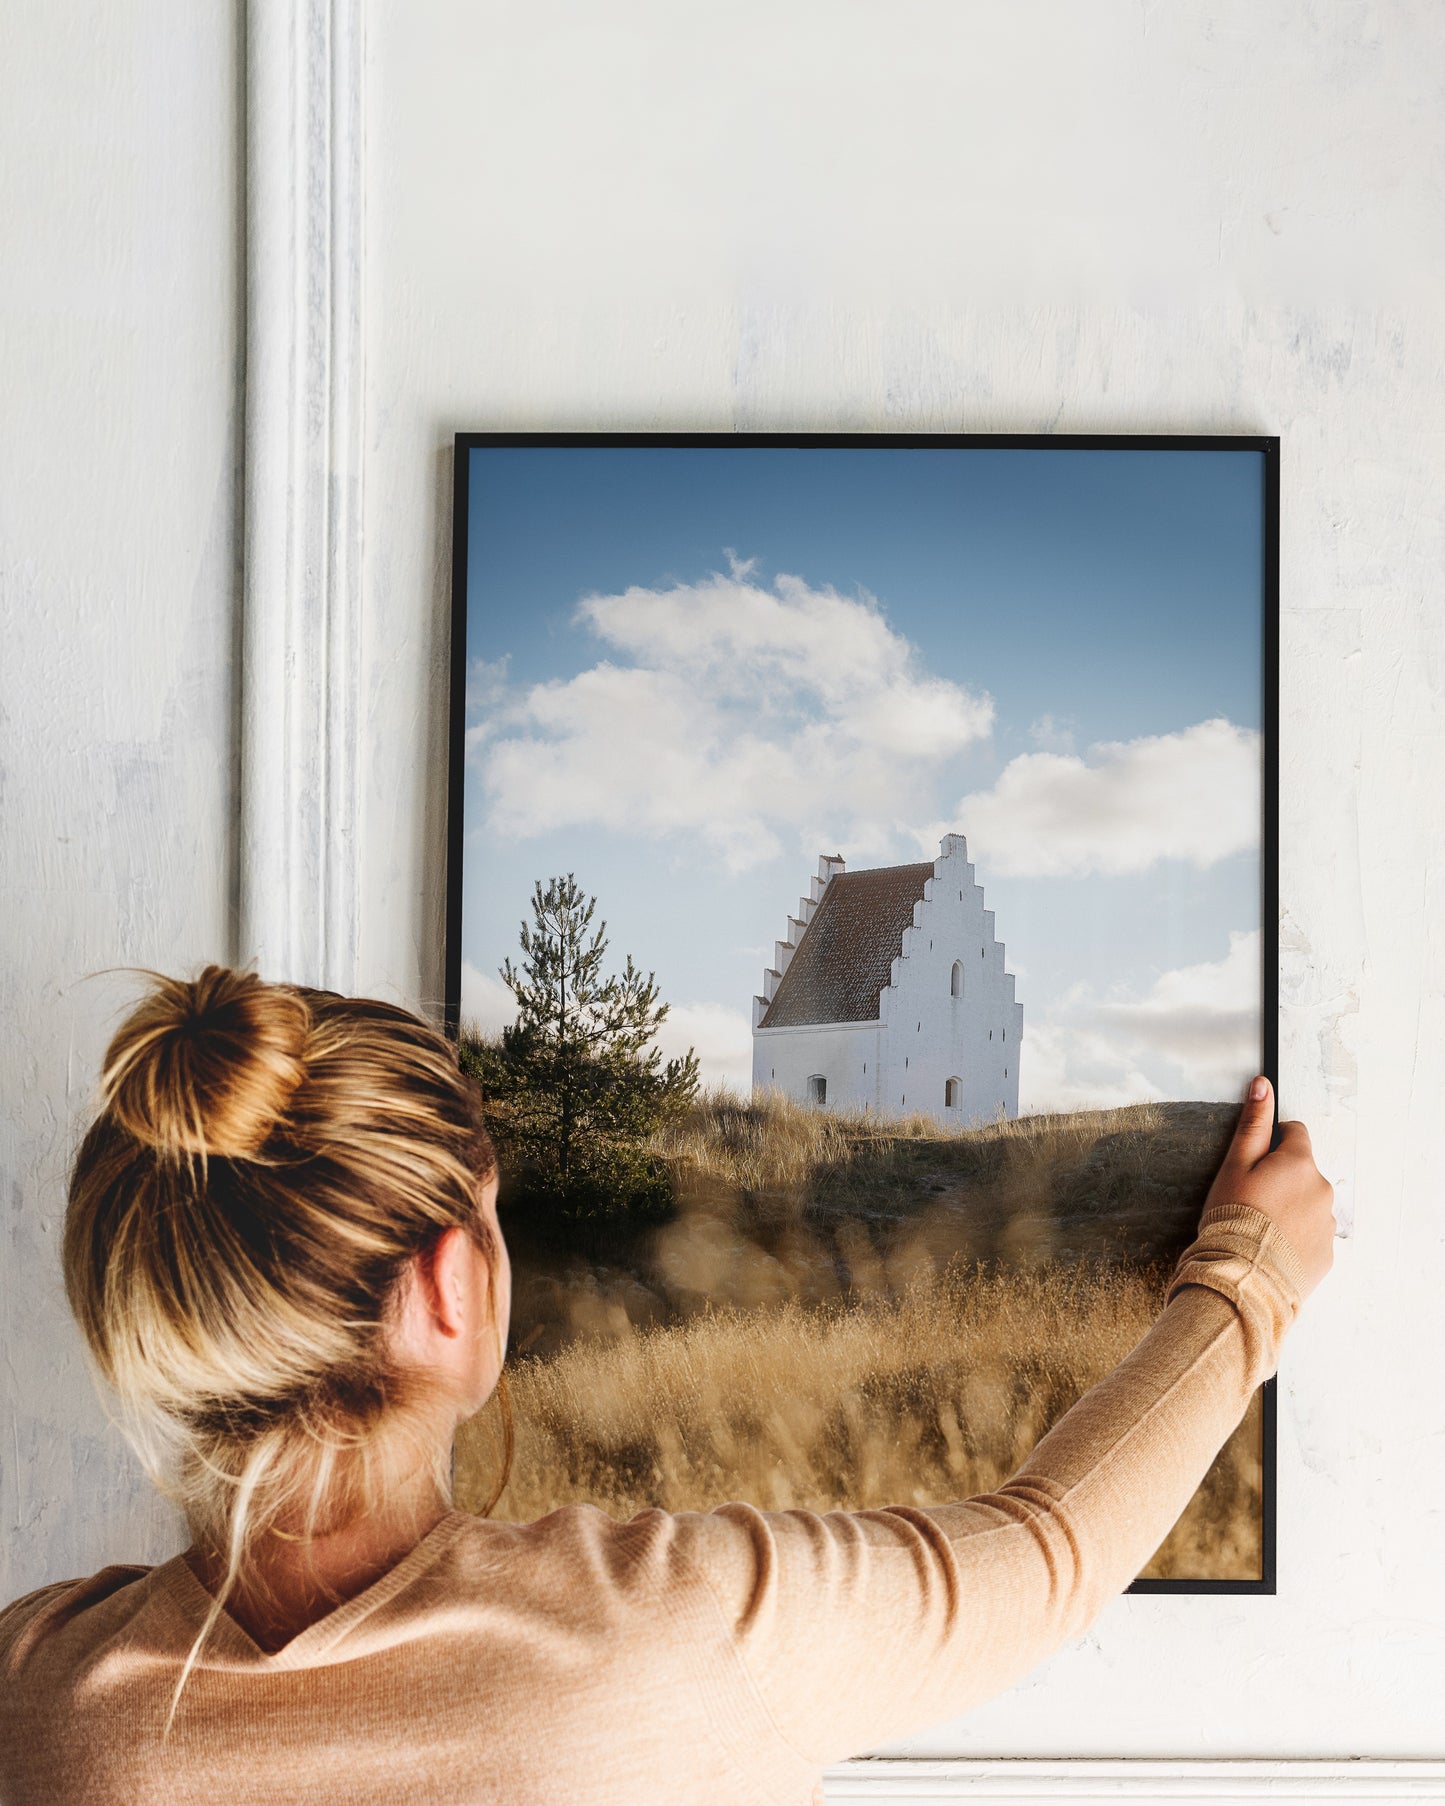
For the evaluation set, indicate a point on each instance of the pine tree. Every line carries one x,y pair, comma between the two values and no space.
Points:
577,1086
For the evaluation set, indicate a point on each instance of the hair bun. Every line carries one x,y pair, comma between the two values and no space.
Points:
207,1065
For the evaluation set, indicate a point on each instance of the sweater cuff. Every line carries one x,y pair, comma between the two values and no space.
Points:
1244,1255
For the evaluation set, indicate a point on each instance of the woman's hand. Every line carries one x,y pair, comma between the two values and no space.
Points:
1284,1182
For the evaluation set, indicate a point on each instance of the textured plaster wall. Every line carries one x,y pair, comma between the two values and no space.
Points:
119,371
1042,216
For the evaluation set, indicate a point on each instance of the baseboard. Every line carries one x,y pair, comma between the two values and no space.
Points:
1018,1781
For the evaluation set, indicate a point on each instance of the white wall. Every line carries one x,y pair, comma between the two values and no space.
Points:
1041,216
119,372
845,1054
931,1035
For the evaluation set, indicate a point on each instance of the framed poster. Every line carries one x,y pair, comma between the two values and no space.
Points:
861,917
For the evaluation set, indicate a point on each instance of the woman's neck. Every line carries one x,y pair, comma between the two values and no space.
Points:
297,1584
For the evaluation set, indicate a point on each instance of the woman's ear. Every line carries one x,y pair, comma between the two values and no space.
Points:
444,1290
453,1283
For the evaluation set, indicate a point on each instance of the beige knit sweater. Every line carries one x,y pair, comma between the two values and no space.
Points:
698,1657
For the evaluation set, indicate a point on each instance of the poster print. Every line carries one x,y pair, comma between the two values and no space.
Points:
860,919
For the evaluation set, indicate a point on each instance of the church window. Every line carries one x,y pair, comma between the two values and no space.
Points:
817,1088
951,1090
955,981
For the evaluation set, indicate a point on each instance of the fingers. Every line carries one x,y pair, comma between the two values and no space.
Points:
1255,1128
1295,1138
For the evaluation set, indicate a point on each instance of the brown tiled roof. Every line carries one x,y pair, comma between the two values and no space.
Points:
846,953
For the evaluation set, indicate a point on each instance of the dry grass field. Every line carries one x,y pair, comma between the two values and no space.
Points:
846,1314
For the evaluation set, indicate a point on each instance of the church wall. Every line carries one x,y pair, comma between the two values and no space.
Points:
846,1054
932,1035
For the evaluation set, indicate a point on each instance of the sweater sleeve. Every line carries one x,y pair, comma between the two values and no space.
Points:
854,1629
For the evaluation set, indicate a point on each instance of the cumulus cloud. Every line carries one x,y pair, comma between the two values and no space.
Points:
487,1004
1194,1034
1051,734
722,1037
1203,1019
728,709
1190,795
1067,1065
486,700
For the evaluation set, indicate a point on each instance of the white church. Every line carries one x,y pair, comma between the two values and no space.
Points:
889,995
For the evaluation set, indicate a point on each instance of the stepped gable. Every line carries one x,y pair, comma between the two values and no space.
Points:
845,956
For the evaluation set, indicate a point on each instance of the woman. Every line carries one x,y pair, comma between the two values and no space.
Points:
282,1247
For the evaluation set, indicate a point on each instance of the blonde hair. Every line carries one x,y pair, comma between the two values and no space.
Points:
266,1160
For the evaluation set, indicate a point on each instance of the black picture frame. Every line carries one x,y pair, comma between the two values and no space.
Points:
1267,446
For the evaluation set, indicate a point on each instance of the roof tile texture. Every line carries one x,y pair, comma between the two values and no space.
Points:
846,954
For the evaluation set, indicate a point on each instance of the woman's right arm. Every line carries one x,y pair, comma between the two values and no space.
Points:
857,1628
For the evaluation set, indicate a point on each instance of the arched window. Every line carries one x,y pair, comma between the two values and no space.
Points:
952,1093
817,1088
955,983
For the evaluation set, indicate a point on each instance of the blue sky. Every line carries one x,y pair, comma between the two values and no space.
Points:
693,670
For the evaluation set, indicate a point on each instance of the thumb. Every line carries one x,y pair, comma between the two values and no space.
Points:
1254,1131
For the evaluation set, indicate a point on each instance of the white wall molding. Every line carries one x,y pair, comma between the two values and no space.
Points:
300,663
887,1782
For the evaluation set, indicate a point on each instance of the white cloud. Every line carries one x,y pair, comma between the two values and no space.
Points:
1193,1034
1190,795
743,714
1051,734
1064,1065
1203,1019
487,1004
722,1037
486,700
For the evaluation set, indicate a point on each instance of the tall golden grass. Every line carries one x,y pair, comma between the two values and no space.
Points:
933,1395
846,1313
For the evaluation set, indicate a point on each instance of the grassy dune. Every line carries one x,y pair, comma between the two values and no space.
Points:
846,1314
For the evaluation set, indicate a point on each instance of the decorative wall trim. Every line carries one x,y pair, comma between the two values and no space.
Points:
1016,1781
301,600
